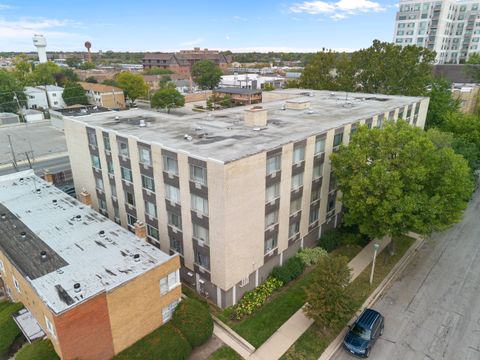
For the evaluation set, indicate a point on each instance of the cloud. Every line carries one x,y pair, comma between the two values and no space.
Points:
193,42
5,7
337,10
227,37
27,27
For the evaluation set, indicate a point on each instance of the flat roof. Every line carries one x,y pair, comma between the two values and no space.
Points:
223,136
43,138
54,241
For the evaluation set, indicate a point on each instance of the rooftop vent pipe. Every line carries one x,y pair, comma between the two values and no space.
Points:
101,233
78,217
77,288
54,202
4,216
142,123
136,257
23,234
43,254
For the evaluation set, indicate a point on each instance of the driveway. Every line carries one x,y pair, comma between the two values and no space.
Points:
432,310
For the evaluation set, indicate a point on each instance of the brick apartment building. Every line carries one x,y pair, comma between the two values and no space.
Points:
108,96
234,192
181,62
93,287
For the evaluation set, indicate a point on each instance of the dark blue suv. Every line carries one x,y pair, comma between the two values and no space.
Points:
364,333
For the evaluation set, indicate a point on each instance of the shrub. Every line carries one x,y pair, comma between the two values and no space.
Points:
165,343
9,331
194,321
330,240
292,269
42,349
253,300
313,256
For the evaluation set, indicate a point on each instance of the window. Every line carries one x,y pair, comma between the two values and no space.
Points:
99,184
274,163
2,268
169,282
123,148
126,174
92,138
337,139
129,198
313,215
270,244
110,166
317,171
198,174
17,285
200,233
298,154
294,229
151,208
148,183
244,282
116,214
106,142
379,121
102,204
297,181
170,165
176,245
113,189
50,327
199,204
174,220
153,232
319,146
295,205
167,311
202,260
145,156
315,195
95,161
272,192
271,218
131,220
331,204
172,193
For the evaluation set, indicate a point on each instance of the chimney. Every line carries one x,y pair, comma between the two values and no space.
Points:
85,198
297,104
48,176
256,117
140,230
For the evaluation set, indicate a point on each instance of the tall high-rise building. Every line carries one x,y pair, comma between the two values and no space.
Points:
451,28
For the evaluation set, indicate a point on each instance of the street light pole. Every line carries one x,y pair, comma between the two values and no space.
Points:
375,250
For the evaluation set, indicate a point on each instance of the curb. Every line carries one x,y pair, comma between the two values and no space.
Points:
399,267
244,343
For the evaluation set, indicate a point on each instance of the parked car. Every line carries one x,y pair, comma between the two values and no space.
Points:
364,333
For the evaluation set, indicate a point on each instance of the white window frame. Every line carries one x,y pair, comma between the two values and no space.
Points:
199,204
197,233
168,310
274,163
167,162
16,284
172,190
50,327
194,169
269,197
146,160
274,215
294,185
298,154
148,208
319,146
2,267
317,171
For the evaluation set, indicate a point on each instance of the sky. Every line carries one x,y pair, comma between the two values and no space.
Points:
162,25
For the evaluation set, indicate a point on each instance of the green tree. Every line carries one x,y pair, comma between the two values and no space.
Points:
65,75
328,302
73,61
132,84
44,74
206,74
441,103
22,68
11,90
157,71
74,94
87,65
395,180
91,79
110,82
194,321
167,98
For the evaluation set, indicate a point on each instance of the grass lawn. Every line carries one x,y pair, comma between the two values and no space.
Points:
257,328
9,331
165,343
225,353
315,340
42,349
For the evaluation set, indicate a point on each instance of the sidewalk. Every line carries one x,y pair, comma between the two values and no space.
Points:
294,327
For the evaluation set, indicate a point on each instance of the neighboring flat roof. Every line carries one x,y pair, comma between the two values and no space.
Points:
238,90
223,136
43,138
69,233
101,88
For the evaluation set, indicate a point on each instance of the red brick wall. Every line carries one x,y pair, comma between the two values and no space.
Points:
84,331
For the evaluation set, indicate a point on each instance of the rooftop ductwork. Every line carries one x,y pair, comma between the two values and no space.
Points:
257,116
297,104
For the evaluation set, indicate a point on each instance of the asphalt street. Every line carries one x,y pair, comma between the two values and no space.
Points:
54,165
432,310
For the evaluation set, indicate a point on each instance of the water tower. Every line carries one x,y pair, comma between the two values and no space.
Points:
88,45
41,44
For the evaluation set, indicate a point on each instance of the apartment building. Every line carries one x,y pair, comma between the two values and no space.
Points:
234,192
108,96
181,62
449,27
44,97
92,287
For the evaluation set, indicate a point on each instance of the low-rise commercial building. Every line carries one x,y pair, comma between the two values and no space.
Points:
251,81
107,96
93,287
234,192
240,96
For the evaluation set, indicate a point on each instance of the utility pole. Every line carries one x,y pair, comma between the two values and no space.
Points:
13,152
